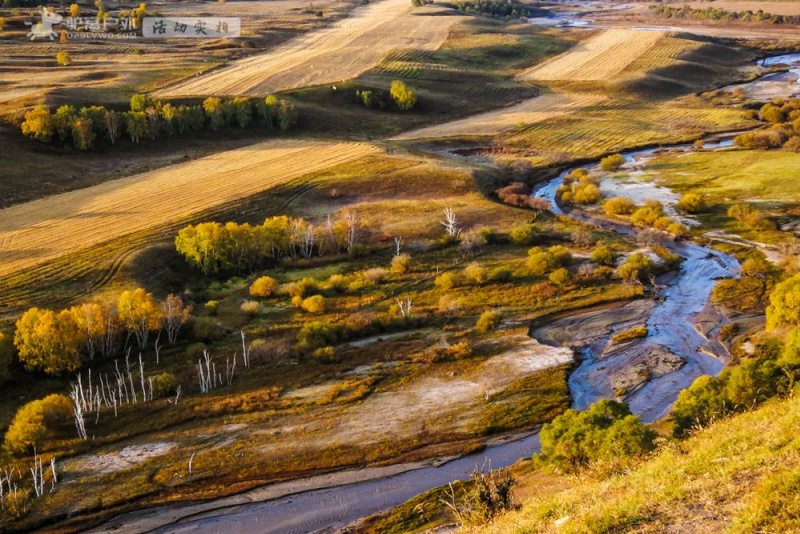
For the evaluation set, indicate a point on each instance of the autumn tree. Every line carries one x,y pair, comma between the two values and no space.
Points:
692,203
202,246
403,97
48,341
242,111
169,114
174,315
140,314
784,304
62,121
140,102
83,134
90,319
35,421
113,121
214,112
612,163
136,125
96,114
38,124
74,11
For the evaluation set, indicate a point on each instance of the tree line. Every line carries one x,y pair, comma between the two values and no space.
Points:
150,118
718,14
58,342
214,247
784,116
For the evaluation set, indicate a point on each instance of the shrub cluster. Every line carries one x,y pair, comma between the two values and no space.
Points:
519,194
722,15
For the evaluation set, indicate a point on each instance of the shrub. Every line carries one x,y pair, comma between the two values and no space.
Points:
586,194
401,264
251,307
773,114
560,277
371,99
195,350
297,301
264,286
476,273
338,283
36,421
472,241
449,305
604,255
612,163
315,304
524,235
446,281
606,431
317,334
302,288
629,335
64,59
487,321
207,329
325,354
636,267
164,384
540,262
561,255
501,275
376,275
692,203
648,214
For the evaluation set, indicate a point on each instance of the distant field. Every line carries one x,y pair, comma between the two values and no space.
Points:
338,53
45,229
536,109
779,7
601,58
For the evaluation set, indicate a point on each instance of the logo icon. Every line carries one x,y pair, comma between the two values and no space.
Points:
44,29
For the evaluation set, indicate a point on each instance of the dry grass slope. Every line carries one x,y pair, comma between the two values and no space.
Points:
338,53
45,229
601,58
548,106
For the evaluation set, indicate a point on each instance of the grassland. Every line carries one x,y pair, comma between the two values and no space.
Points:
35,232
329,56
737,475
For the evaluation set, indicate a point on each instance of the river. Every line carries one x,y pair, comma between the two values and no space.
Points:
670,325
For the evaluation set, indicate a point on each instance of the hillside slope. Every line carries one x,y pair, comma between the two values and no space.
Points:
739,475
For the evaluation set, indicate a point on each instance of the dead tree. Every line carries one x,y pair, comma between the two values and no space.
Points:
37,471
397,242
451,223
245,352
405,307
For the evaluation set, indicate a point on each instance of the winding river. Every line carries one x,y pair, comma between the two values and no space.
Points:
670,324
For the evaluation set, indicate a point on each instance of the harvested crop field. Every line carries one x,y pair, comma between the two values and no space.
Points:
537,109
45,229
338,53
600,58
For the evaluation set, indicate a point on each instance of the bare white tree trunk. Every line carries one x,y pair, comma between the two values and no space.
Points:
397,243
451,223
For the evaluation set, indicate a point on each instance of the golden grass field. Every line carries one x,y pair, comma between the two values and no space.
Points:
548,106
45,229
601,58
343,51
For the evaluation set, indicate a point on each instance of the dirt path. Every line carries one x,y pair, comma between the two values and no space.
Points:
35,232
338,53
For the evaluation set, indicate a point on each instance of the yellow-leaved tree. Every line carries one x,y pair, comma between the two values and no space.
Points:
36,421
140,314
48,341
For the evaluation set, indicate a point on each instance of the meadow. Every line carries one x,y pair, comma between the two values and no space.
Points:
519,102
